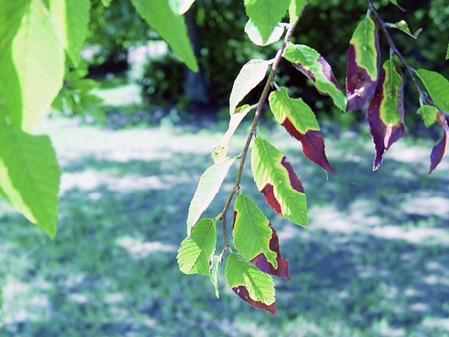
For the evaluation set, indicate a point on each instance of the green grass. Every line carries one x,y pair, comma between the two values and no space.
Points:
373,262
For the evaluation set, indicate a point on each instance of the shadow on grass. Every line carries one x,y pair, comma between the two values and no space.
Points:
111,271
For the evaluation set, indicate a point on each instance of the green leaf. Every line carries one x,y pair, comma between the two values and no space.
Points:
29,176
363,64
437,86
251,74
256,240
251,230
34,66
214,274
220,151
447,52
300,122
208,187
250,284
385,113
163,17
265,15
403,27
254,34
275,178
71,21
197,250
11,14
84,85
106,3
315,67
429,114
295,9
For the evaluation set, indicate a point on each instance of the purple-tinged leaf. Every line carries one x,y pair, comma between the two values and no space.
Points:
386,111
363,65
439,150
300,122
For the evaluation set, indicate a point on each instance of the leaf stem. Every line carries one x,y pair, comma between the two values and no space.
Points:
252,132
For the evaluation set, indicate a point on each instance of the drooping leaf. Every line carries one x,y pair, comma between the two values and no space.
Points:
265,15
439,149
437,86
34,67
163,17
363,64
184,5
208,186
386,111
251,74
316,68
29,176
275,178
429,113
197,250
295,9
256,240
220,151
214,274
403,27
300,122
250,284
71,21
254,34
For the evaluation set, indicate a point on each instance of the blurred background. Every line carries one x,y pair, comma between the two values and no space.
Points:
373,262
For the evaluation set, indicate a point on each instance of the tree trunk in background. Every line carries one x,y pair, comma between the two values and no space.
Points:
194,85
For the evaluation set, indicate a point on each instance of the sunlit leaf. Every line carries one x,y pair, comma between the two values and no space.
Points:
214,274
197,250
208,186
163,17
34,67
71,20
29,176
437,86
429,114
403,27
386,111
220,151
316,68
265,15
254,34
251,74
250,284
295,9
275,178
363,64
256,240
300,122
440,148
184,5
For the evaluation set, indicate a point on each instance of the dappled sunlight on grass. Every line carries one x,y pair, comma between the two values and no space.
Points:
373,261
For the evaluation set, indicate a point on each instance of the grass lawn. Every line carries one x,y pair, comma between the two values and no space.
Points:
374,261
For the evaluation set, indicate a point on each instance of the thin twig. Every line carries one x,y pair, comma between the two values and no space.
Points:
260,105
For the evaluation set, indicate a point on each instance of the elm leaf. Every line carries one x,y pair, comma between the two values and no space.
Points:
437,86
197,250
276,179
256,240
317,69
208,186
362,64
250,284
254,34
163,17
439,149
220,151
29,176
184,5
300,122
265,15
386,111
295,9
429,114
251,74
